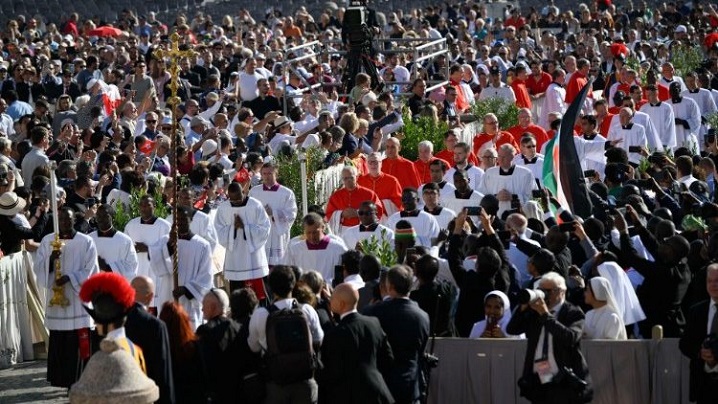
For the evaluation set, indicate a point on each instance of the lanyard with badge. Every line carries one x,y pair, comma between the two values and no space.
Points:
542,365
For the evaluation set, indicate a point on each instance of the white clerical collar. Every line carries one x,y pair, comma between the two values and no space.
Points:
117,333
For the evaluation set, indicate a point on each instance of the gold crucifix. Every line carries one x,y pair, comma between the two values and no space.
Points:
174,54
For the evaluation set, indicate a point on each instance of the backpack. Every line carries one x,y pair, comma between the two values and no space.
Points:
289,357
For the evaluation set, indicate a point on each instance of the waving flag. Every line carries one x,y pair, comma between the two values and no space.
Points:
562,172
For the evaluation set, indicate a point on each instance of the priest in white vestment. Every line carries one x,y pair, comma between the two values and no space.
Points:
662,118
281,205
315,250
243,228
194,258
632,134
554,100
150,234
201,223
368,227
687,116
507,180
461,162
431,196
437,169
115,250
463,196
69,326
529,157
424,224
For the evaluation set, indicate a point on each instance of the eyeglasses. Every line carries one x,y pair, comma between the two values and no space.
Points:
166,128
530,146
150,120
364,212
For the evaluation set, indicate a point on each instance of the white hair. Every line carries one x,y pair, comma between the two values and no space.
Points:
557,280
222,299
426,143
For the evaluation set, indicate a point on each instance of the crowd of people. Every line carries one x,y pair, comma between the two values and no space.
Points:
473,243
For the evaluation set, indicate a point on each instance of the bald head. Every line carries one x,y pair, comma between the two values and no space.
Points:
144,289
344,299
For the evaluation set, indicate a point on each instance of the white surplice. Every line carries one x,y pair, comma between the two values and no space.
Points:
632,135
519,181
688,110
321,260
283,203
194,272
662,118
202,225
246,257
119,253
78,261
424,224
353,235
151,263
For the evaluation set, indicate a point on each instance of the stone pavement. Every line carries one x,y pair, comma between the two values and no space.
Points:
25,383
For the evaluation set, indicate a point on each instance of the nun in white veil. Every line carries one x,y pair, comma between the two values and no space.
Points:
624,295
497,312
604,321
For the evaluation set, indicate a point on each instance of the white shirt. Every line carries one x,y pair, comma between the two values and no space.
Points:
257,339
248,85
503,91
553,366
355,280
632,135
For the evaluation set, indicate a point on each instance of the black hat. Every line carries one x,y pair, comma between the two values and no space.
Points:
494,70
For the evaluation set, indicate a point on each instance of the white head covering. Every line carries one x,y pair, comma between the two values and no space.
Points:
602,291
626,301
479,327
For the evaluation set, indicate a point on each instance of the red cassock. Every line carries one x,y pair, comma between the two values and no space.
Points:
538,86
343,198
539,132
522,93
384,185
606,124
403,170
423,170
448,156
499,140
574,86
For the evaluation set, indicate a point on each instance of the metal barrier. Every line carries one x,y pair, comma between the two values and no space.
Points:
318,49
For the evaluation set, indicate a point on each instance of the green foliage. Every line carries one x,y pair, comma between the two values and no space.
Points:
124,213
713,120
290,175
685,58
506,112
383,251
635,64
418,130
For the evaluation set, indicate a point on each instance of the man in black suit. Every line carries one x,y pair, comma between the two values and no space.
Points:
353,353
407,327
67,86
554,369
702,323
150,333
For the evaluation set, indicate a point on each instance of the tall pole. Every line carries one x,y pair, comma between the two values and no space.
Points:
174,54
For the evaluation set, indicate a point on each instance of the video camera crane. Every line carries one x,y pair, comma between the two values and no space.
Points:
357,35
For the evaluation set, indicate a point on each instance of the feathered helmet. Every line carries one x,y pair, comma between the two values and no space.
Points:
111,297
